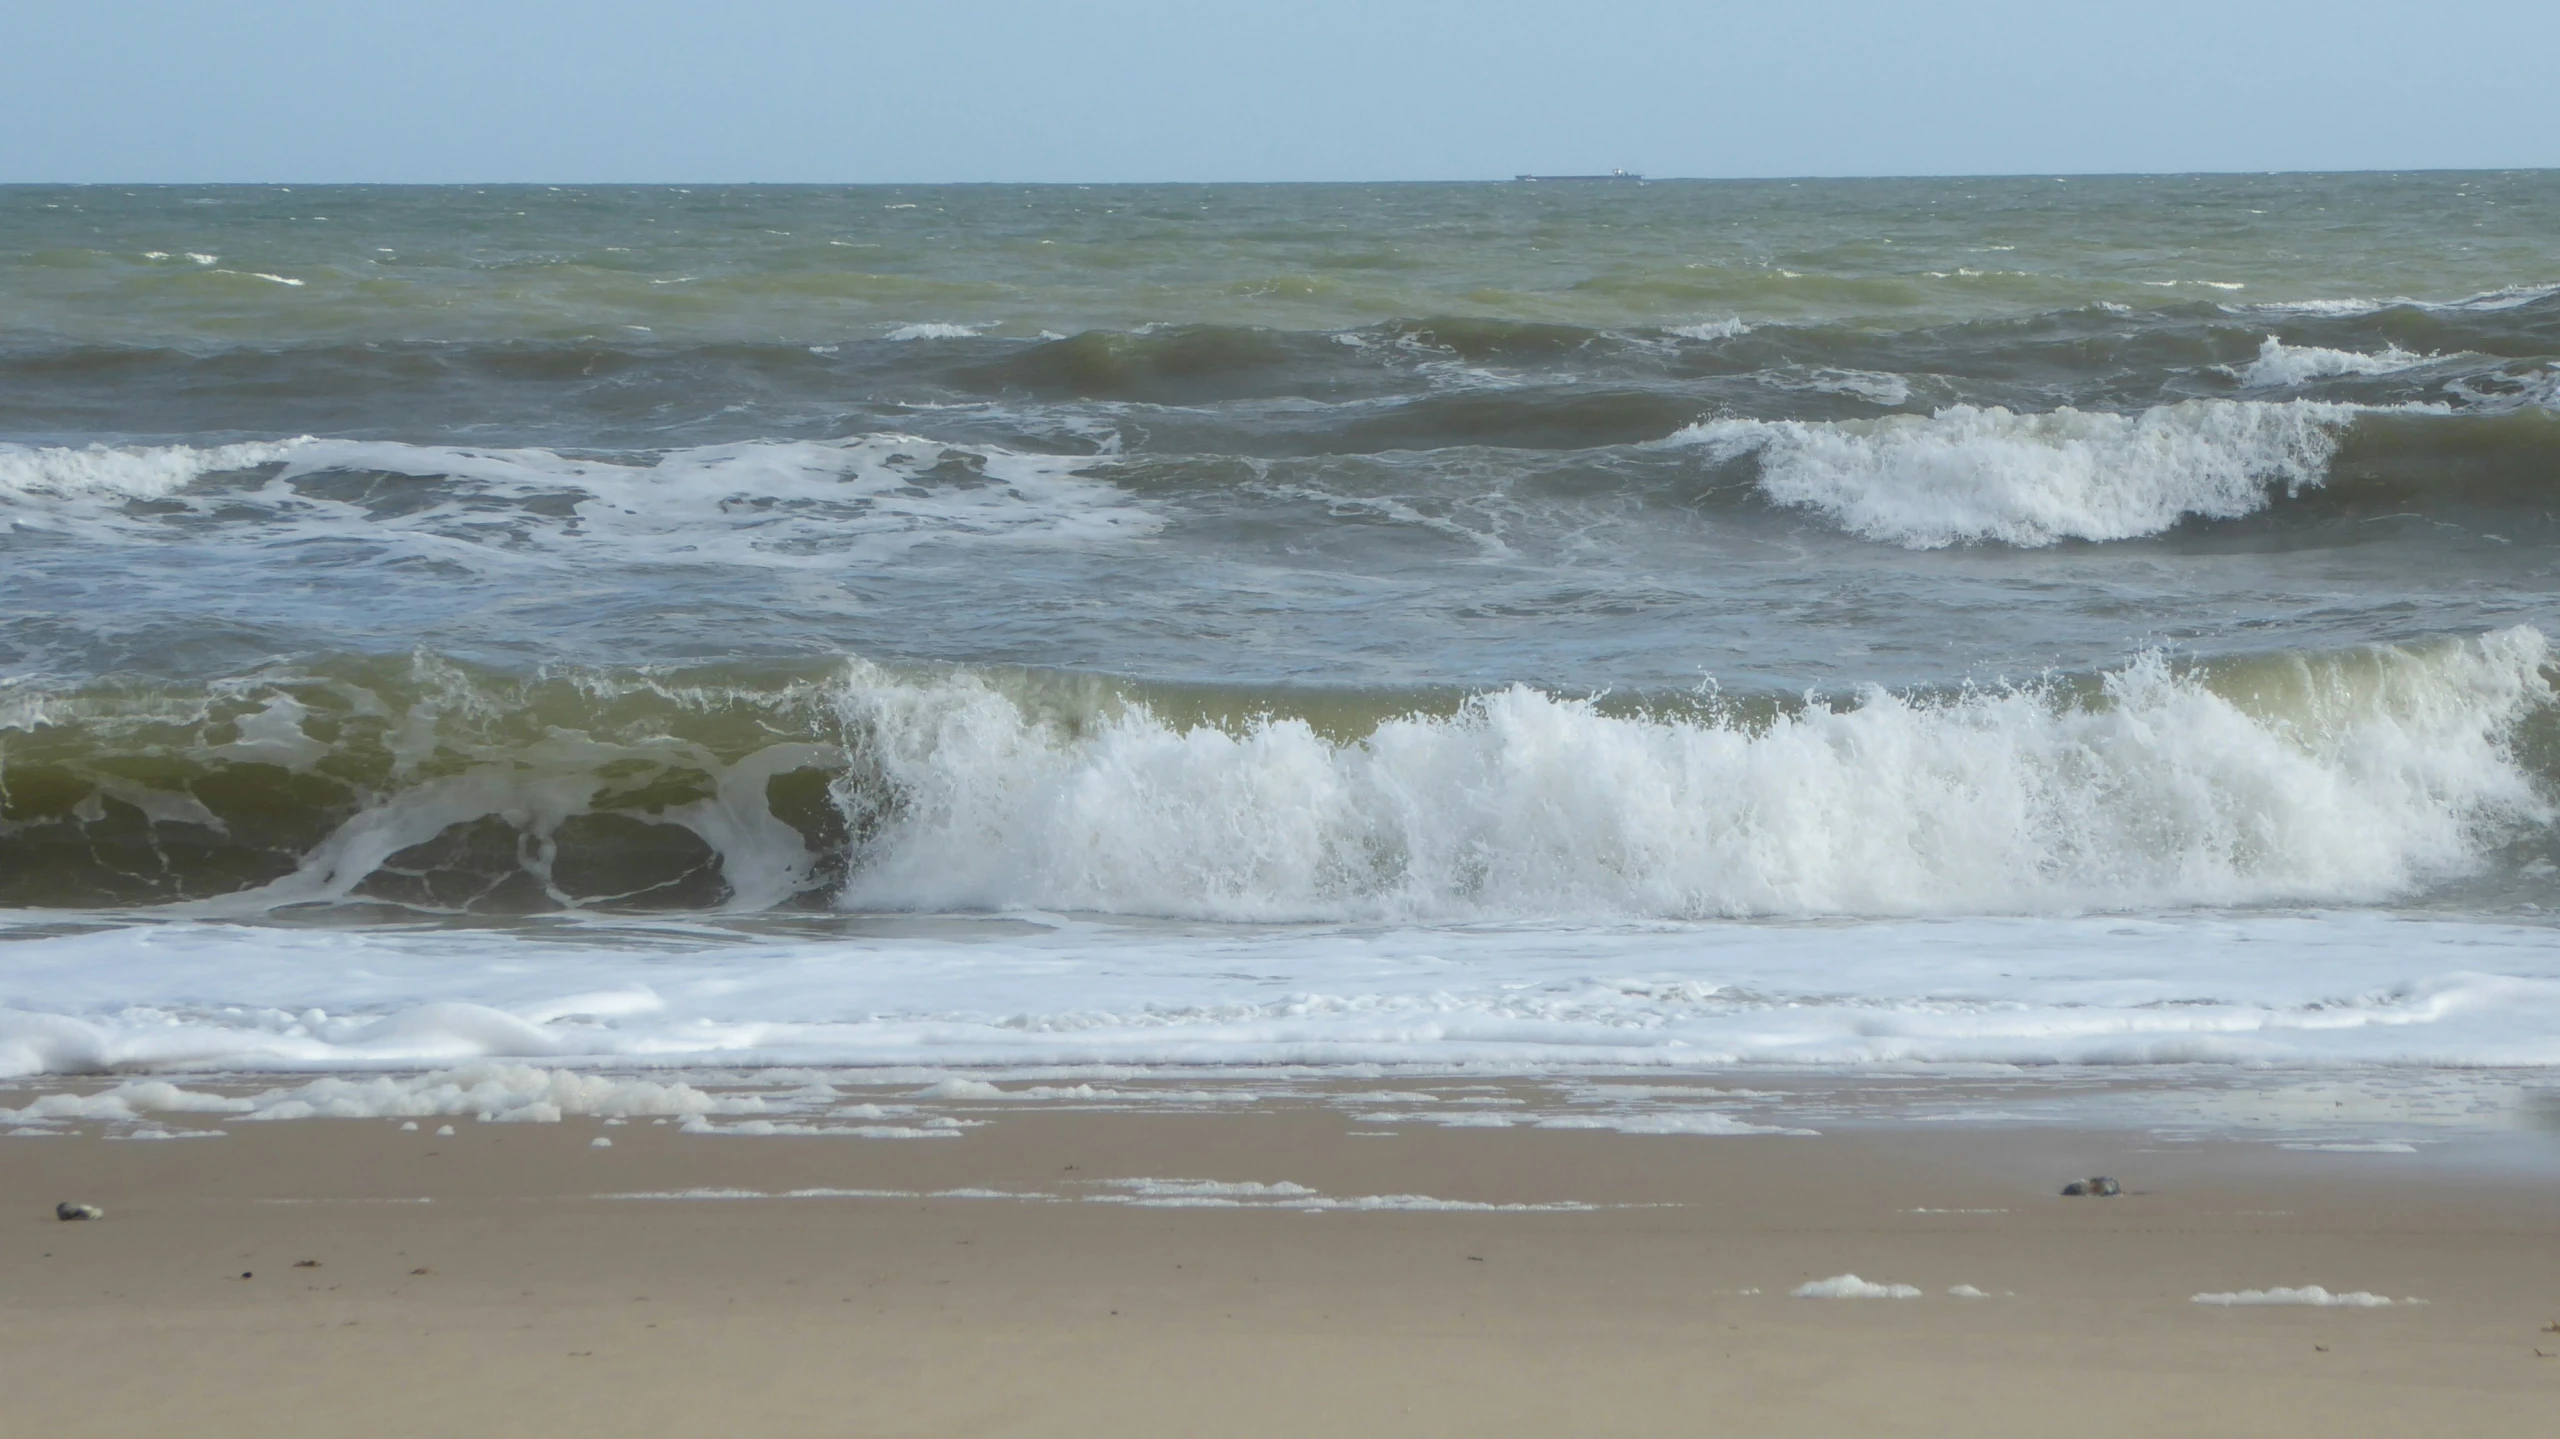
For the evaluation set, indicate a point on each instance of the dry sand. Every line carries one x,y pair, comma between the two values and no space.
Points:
517,1300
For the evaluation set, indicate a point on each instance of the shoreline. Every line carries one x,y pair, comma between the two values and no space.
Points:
485,1278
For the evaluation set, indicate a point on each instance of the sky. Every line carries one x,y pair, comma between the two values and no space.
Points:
558,91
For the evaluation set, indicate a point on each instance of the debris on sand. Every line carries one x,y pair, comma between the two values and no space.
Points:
69,1210
2100,1187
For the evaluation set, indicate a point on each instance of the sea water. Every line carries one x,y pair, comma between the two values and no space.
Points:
2066,625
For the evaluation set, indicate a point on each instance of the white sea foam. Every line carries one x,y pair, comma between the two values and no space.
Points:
1150,1194
2281,364
1210,1189
809,504
490,1092
960,1089
1969,474
2352,779
1622,1121
2337,991
1724,329
766,1128
1850,1286
129,472
933,330
2311,1295
1218,1194
1868,385
2505,298
1668,1122
776,502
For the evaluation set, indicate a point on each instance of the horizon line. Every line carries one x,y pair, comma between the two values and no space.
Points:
1513,179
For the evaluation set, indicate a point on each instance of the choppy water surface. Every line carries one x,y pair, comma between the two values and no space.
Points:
1434,565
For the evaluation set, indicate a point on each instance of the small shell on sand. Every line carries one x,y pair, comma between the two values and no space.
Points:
69,1210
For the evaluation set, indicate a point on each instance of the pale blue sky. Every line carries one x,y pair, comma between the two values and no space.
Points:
801,90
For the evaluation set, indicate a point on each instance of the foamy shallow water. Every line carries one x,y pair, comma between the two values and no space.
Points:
2335,989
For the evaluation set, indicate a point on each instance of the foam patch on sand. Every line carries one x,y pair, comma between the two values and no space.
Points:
1219,1194
1850,1286
936,1128
1672,1122
1149,1193
2311,1295
1665,1122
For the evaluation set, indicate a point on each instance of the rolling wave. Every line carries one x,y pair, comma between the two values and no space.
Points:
2351,777
1967,475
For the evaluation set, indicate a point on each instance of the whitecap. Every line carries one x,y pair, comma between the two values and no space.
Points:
1969,474
933,330
2281,364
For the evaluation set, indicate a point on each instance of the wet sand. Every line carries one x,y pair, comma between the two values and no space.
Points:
517,1299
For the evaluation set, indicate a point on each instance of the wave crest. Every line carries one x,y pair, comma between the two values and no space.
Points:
2281,364
2340,779
2346,778
1969,474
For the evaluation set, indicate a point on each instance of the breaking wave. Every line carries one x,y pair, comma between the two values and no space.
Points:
1968,474
2352,777
30,473
2280,364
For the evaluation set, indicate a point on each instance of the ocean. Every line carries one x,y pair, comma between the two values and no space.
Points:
2014,627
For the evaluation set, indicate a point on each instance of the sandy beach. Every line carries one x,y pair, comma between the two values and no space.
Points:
336,1276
